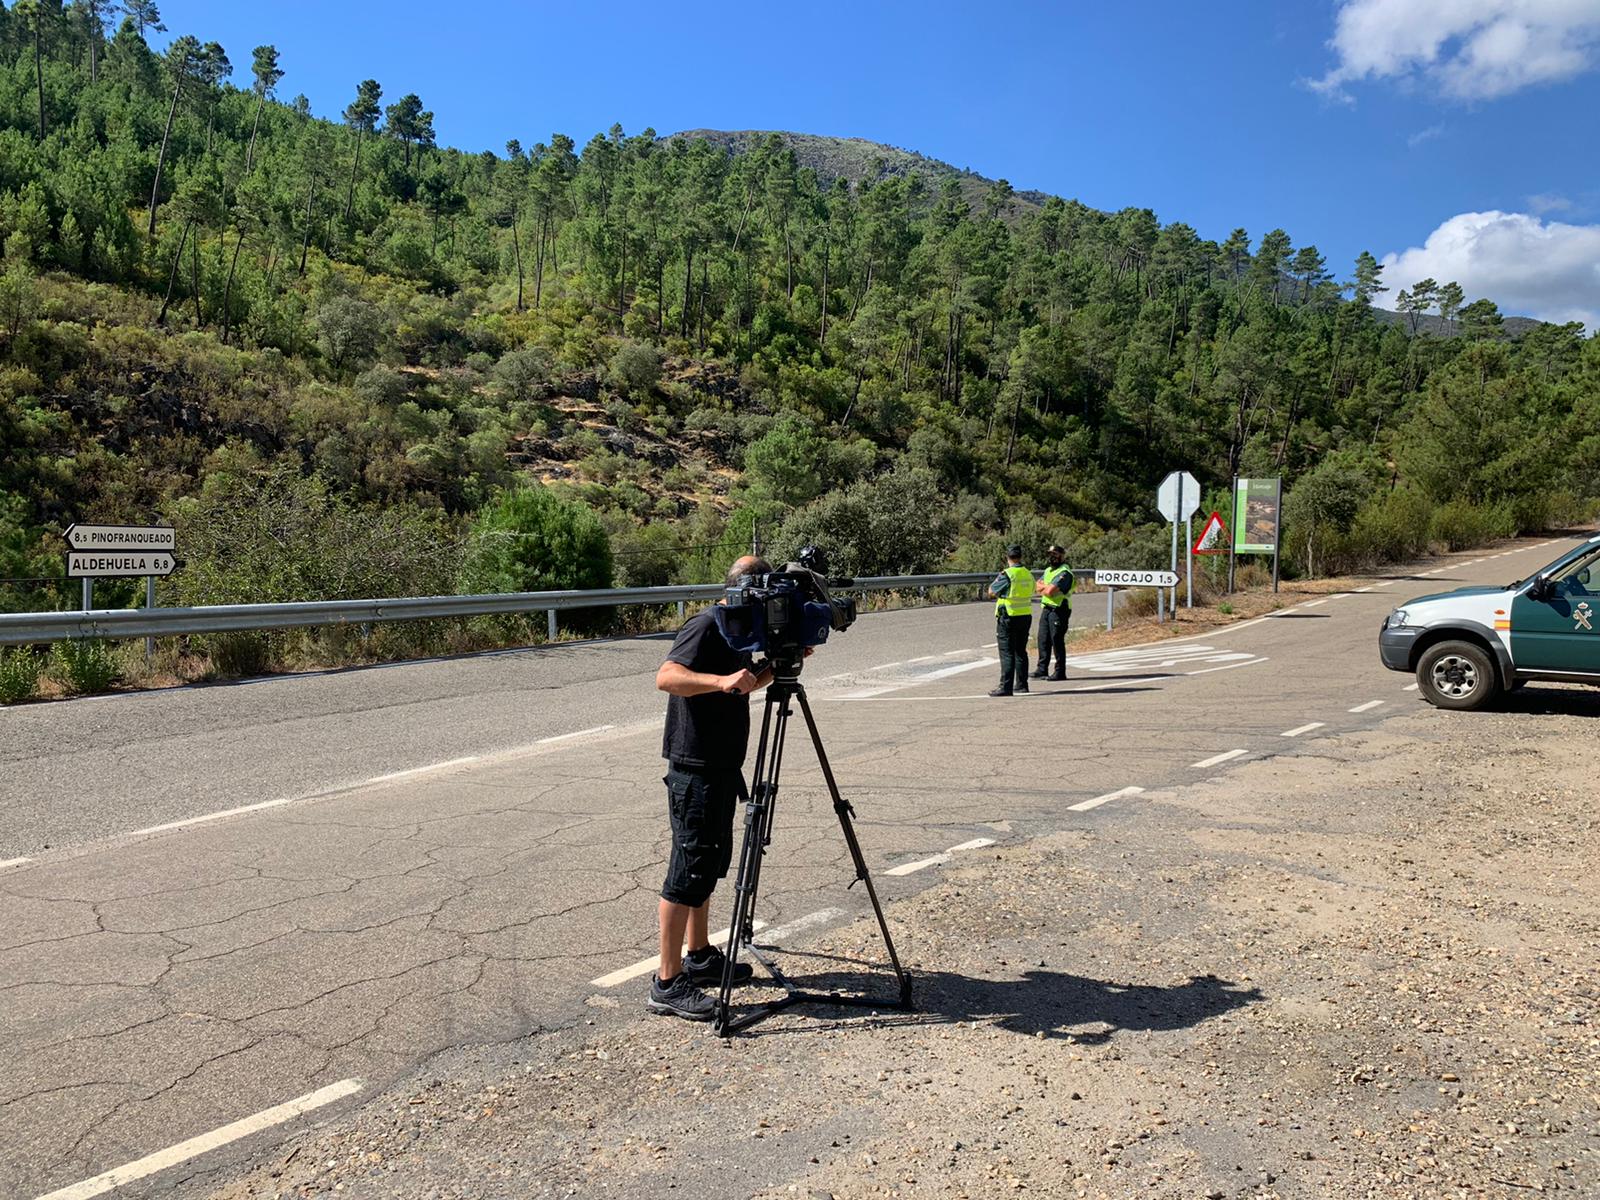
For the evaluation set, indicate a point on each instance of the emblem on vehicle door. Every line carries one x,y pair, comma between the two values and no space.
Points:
1582,614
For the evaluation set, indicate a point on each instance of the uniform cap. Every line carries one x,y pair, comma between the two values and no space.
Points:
1055,549
1013,551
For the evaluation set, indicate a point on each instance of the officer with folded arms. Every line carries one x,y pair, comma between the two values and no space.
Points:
1013,616
1055,611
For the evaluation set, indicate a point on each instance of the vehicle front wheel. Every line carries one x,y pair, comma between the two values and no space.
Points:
1458,675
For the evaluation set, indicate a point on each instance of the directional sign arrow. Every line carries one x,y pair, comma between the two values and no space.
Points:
1136,578
121,537
117,564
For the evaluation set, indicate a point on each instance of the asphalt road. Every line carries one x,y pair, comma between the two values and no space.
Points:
461,852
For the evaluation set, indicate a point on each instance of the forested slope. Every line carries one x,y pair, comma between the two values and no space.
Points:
327,348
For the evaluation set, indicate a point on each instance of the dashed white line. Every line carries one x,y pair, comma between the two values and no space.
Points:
209,817
454,762
1228,666
139,1168
1086,805
1370,704
560,737
783,933
13,862
931,676
938,859
1299,729
1411,687
1219,758
646,965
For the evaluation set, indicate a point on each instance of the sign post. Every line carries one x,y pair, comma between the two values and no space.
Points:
1257,505
1177,498
121,552
1112,580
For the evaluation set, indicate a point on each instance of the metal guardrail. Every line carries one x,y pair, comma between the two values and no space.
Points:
24,628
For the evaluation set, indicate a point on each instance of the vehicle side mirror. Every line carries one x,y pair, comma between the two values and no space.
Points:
1583,577
1541,589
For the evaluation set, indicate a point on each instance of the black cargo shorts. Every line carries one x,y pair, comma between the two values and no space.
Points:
701,804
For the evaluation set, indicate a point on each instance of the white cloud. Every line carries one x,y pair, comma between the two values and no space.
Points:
1424,135
1468,49
1530,267
1549,202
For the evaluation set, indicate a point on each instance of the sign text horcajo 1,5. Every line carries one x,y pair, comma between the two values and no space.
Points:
1136,578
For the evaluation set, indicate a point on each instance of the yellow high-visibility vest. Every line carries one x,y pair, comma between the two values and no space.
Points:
1051,575
1016,602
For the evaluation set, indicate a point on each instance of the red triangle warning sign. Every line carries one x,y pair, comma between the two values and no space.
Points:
1213,538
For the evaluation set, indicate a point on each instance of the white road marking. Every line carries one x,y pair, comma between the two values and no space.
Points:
1229,666
1411,687
1219,758
924,658
454,762
1086,805
1370,704
771,937
1314,603
1299,729
1104,685
139,1168
209,817
929,677
647,965
13,862
936,860
565,737
886,666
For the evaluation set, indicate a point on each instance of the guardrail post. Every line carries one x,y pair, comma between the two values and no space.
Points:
551,613
1111,600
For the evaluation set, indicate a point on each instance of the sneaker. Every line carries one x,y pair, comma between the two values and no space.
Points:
1000,691
680,998
705,966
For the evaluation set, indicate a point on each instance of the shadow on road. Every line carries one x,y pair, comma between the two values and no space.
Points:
1056,1004
1554,700
1300,616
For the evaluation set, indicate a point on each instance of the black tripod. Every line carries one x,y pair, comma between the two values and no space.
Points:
785,687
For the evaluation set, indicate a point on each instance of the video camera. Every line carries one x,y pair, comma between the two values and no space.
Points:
781,613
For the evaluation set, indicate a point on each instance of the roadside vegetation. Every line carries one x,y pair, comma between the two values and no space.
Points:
345,361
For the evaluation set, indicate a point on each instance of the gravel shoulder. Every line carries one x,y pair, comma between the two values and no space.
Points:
1366,968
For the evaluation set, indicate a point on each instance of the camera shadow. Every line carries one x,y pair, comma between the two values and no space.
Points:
1057,1004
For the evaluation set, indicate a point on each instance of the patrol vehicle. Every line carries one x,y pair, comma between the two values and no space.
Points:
1469,645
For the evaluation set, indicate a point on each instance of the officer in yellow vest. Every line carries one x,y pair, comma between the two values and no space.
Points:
1013,613
1054,588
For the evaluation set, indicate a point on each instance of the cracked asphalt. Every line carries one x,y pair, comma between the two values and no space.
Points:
156,985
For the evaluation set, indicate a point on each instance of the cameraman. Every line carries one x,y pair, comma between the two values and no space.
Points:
707,733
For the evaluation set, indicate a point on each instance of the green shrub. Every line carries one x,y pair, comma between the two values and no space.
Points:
19,675
84,666
1225,609
1460,524
1392,527
635,368
238,655
529,540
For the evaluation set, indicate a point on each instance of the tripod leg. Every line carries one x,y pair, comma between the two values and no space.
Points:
757,831
841,806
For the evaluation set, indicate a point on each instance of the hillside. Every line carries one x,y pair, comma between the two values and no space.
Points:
345,360
859,161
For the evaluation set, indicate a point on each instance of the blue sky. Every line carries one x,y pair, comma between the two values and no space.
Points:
1353,124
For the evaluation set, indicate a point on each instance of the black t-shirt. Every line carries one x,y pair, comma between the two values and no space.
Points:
709,732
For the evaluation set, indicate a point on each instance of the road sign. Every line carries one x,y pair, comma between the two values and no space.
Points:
122,537
1178,496
1255,516
1213,538
117,564
1136,578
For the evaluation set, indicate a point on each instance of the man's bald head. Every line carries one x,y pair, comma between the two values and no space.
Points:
750,564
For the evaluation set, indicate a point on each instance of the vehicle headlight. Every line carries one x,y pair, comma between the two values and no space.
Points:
1398,618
